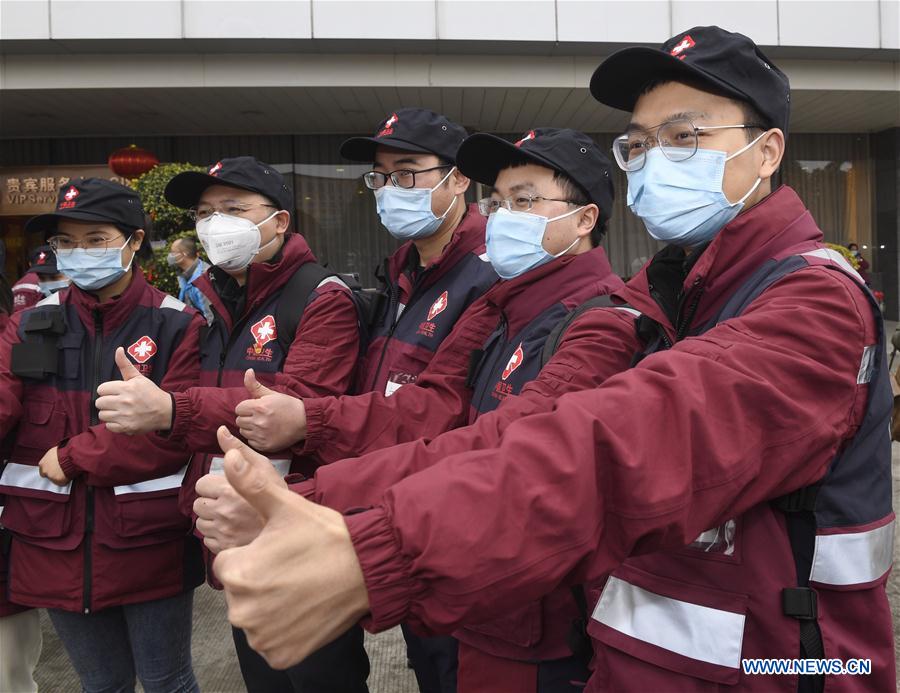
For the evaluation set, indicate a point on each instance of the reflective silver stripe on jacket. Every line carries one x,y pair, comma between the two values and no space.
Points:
283,467
691,630
162,483
173,303
853,558
28,476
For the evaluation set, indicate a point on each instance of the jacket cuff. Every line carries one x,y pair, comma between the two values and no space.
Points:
182,414
66,463
385,570
315,425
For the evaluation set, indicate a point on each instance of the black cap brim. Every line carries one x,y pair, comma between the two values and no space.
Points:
481,157
185,189
363,148
43,223
622,78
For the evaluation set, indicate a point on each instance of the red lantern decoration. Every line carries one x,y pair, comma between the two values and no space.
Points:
132,161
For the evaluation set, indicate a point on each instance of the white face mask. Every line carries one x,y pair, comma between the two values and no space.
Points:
231,242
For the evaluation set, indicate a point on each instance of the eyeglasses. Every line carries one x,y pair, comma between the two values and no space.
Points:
522,202
401,178
678,140
234,210
94,246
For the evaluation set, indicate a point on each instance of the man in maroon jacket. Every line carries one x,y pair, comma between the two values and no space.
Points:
735,482
242,208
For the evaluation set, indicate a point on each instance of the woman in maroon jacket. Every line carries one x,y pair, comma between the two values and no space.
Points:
97,538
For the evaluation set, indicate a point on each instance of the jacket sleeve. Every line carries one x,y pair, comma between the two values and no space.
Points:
10,385
321,361
753,409
111,459
341,427
599,344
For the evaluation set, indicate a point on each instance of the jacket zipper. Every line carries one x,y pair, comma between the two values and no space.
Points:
89,490
657,297
684,324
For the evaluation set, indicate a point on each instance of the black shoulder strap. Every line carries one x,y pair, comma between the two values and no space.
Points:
556,334
294,298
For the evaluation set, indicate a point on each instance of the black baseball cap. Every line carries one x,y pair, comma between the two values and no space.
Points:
412,130
482,156
92,199
728,63
244,172
43,261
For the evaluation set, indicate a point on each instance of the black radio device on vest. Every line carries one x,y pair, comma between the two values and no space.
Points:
37,355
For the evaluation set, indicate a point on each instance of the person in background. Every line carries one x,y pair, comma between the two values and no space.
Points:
863,263
185,256
41,280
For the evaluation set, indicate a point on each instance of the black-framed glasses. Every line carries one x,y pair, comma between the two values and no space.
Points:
401,178
235,210
678,140
94,246
522,202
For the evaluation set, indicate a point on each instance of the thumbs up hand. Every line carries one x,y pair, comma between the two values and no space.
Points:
269,420
134,404
224,518
298,585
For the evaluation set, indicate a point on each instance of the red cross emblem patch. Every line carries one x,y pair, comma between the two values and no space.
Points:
529,136
514,362
264,332
438,306
388,127
142,350
682,46
213,170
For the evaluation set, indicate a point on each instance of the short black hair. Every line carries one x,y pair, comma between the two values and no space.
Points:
750,113
575,194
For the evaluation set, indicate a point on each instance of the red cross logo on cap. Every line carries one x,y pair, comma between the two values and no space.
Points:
438,306
42,258
529,136
264,331
681,46
213,170
388,126
514,362
71,193
142,350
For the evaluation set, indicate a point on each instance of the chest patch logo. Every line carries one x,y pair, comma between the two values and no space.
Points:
263,332
438,307
514,362
143,350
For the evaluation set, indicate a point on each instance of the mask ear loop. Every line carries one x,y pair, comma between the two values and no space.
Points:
133,252
430,192
265,245
758,179
573,243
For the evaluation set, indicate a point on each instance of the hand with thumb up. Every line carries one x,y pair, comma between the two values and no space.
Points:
298,585
134,404
269,420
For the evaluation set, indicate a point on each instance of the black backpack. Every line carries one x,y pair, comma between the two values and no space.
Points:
295,295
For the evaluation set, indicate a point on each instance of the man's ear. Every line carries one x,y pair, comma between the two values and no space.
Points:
587,220
282,221
458,182
772,153
137,237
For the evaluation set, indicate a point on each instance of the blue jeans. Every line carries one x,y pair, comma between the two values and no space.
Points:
152,639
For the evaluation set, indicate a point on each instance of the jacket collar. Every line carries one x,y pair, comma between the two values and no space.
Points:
570,278
770,229
114,311
264,279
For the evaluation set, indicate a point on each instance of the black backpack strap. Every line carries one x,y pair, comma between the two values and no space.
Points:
556,334
293,300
